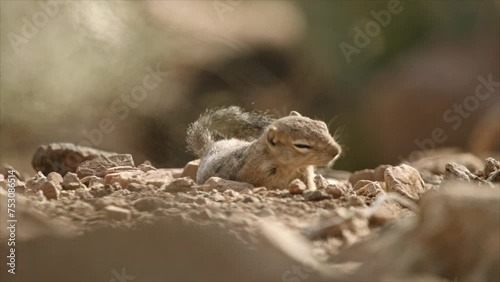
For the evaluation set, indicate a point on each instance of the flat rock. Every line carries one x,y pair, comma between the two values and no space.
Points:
405,180
221,185
183,184
315,195
146,167
455,171
124,178
149,204
366,174
63,157
371,189
339,223
158,177
361,183
71,182
437,163
117,213
99,166
191,169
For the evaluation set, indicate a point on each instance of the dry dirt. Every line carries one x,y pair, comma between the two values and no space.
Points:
90,215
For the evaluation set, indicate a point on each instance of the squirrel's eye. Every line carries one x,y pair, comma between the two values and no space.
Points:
302,146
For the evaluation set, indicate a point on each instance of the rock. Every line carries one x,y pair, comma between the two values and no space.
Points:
200,200
494,177
176,172
63,157
71,182
296,186
179,185
92,180
55,178
371,189
437,163
405,180
257,190
83,193
117,213
146,167
20,187
340,223
245,191
218,198
250,199
378,173
221,185
99,166
33,184
380,217
184,198
320,181
191,169
205,214
355,201
7,170
430,177
456,236
231,193
456,171
361,183
158,177
134,187
265,213
366,174
315,195
149,204
120,169
50,191
491,165
124,178
101,190
335,191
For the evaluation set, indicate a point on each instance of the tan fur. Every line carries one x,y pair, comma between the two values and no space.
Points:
288,148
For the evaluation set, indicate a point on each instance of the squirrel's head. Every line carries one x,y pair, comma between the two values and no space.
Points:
300,141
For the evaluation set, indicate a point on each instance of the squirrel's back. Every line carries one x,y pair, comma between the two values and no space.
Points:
224,123
224,159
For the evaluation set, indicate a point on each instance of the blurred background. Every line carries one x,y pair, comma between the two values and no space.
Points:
391,78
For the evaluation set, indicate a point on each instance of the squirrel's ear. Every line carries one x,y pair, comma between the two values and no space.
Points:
272,135
294,113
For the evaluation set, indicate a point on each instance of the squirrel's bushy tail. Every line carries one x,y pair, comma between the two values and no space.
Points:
224,123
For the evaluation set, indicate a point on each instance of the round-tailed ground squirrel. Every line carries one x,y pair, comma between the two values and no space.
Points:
257,149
